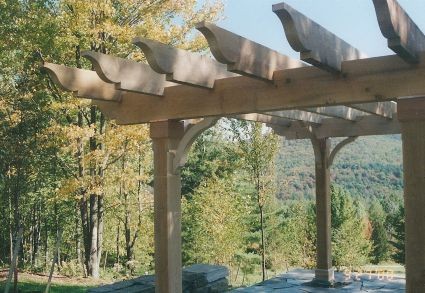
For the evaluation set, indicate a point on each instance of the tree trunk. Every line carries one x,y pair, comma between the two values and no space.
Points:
263,246
14,261
118,243
93,269
55,259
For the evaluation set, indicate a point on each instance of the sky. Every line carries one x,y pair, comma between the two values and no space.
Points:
352,20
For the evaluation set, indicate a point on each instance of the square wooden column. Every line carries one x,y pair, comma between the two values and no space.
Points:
166,136
324,272
411,113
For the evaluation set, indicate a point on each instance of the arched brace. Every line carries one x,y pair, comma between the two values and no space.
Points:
338,147
321,147
189,137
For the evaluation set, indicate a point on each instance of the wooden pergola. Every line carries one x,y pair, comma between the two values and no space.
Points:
335,91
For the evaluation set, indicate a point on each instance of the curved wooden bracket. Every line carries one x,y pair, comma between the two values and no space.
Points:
244,56
82,83
128,75
404,36
338,147
181,66
192,132
316,45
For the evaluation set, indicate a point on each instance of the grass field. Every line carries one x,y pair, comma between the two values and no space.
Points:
29,283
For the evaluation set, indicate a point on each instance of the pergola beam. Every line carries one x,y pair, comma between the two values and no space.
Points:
270,120
82,83
367,80
297,115
403,35
316,45
127,74
367,125
182,66
244,56
383,109
341,112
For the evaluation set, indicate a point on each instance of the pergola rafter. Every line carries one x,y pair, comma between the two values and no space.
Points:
343,94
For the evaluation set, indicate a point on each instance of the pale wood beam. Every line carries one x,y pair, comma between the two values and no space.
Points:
127,74
244,56
81,82
403,35
256,117
324,273
316,45
367,80
297,115
341,112
384,109
412,118
181,66
331,127
166,136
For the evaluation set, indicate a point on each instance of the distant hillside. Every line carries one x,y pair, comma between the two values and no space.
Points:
371,167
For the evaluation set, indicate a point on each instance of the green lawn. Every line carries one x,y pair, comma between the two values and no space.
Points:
34,286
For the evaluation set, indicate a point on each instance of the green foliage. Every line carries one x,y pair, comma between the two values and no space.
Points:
297,238
398,236
213,223
369,168
350,239
381,246
211,156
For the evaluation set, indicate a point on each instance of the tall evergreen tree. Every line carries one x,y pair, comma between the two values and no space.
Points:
350,243
399,236
380,243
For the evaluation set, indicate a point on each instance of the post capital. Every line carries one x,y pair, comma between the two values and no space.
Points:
166,129
411,109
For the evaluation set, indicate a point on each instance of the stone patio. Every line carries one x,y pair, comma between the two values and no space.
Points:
297,281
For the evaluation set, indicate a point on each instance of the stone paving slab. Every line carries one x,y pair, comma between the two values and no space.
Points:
296,281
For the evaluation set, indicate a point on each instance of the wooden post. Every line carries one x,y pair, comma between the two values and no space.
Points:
324,272
411,113
166,136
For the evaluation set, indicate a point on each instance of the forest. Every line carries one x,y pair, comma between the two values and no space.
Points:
76,188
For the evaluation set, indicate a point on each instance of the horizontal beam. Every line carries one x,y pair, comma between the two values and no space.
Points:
127,74
384,109
182,66
366,80
341,112
256,117
81,82
403,35
367,125
244,56
317,45
297,115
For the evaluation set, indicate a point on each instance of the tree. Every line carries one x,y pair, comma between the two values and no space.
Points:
56,151
350,243
258,148
213,225
398,222
380,243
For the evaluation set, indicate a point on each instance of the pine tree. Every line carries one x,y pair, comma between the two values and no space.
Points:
350,244
380,248
399,236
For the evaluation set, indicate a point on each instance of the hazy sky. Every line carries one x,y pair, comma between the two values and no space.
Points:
352,20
